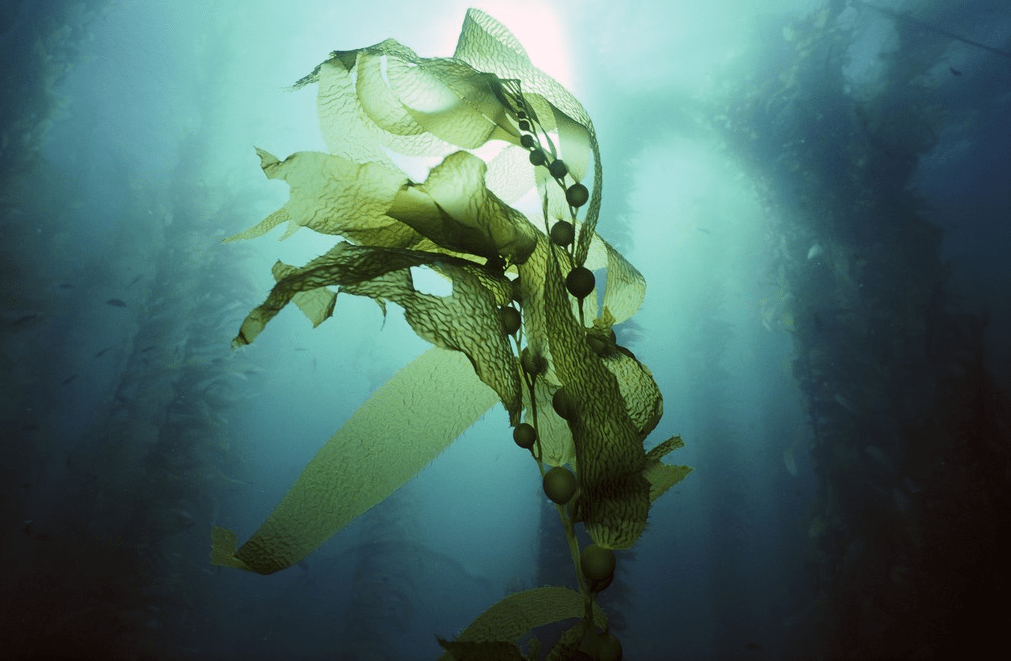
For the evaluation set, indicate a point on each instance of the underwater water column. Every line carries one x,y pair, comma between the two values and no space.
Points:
879,327
723,375
382,598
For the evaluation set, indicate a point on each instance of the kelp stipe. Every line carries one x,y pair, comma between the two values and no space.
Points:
521,326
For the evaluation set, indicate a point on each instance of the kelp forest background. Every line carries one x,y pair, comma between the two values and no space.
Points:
815,193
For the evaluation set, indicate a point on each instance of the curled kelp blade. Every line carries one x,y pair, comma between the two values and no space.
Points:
381,446
373,204
483,651
625,287
641,396
455,209
467,320
343,265
639,392
385,95
332,195
516,615
487,45
554,437
451,100
662,476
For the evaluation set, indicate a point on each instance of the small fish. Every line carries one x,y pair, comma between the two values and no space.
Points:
150,348
703,229
68,380
845,403
66,285
103,352
954,71
135,280
115,302
21,321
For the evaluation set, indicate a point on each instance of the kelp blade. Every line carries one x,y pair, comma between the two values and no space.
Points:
517,614
387,441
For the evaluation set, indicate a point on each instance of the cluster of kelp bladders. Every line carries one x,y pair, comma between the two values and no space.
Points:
522,326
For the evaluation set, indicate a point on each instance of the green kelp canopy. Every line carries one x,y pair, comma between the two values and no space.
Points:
460,222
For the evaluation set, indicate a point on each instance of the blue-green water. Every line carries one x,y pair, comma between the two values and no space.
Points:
815,192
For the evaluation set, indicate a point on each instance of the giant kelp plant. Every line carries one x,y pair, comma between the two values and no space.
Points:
523,324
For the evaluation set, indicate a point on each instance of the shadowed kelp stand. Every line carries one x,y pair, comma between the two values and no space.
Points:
522,325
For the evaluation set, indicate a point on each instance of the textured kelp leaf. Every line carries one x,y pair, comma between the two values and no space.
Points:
639,391
450,100
483,651
381,446
408,104
455,210
642,398
378,102
623,294
316,304
555,438
467,320
535,323
625,288
512,617
614,496
386,96
569,643
344,264
663,476
331,195
372,204
574,144
359,114
347,129
487,45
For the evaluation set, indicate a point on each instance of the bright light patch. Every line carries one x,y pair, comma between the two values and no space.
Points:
428,281
537,26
